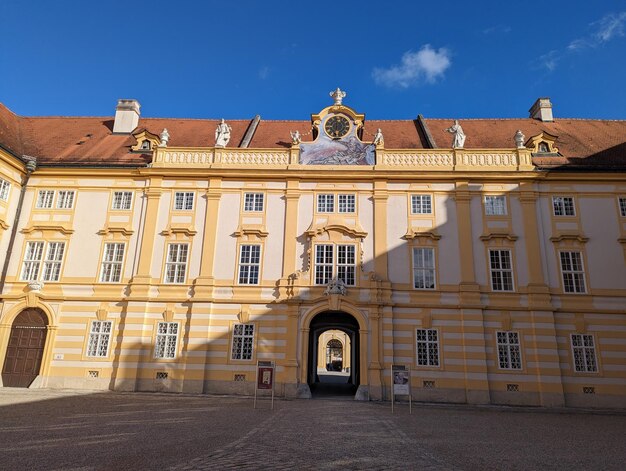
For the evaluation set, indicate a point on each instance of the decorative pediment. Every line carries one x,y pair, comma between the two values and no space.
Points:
44,227
146,141
174,229
337,132
247,230
543,143
123,230
412,234
498,236
356,231
569,237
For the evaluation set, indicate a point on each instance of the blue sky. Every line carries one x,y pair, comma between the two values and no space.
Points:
280,59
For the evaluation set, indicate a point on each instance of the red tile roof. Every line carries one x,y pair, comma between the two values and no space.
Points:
89,140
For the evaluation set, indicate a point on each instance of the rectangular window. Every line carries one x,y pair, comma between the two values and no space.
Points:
122,200
176,264
346,264
421,204
183,200
495,205
32,261
166,340
65,199
346,203
427,347
253,202
501,270
99,339
573,272
112,259
243,342
344,267
584,351
622,207
323,264
44,199
53,260
5,186
249,264
423,268
563,206
509,355
325,203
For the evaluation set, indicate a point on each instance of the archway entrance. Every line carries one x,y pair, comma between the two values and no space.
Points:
25,348
333,367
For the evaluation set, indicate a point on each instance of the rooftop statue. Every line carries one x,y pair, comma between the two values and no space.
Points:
378,138
222,134
519,139
165,136
459,136
296,138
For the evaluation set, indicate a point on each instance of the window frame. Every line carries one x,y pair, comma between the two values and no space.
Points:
122,199
98,341
335,264
563,207
58,198
417,201
244,336
166,336
500,270
176,264
508,347
252,200
184,201
349,207
491,209
324,201
424,269
584,348
249,264
48,199
582,278
621,205
428,343
113,263
5,189
44,262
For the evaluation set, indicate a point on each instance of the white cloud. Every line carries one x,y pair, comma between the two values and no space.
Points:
550,60
427,64
610,26
497,29
605,29
264,72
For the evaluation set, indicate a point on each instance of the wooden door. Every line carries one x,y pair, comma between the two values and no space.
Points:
25,349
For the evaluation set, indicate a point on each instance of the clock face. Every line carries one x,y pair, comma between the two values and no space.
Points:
337,126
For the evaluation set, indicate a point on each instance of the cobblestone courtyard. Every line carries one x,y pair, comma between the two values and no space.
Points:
68,430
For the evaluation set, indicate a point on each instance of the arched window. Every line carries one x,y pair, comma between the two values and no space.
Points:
543,147
145,145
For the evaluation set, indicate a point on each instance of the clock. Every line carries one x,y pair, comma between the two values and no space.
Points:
337,126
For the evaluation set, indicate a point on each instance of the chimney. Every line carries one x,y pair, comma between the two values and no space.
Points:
542,110
126,116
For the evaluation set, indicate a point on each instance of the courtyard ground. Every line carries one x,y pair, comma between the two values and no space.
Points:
81,431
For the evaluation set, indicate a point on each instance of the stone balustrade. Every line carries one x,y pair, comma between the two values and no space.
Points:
393,159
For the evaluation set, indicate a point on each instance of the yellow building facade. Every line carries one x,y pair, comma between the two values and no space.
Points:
172,255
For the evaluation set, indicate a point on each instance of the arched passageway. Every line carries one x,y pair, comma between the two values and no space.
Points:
27,340
333,378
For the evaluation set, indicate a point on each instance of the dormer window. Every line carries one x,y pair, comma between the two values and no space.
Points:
145,145
543,147
543,143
